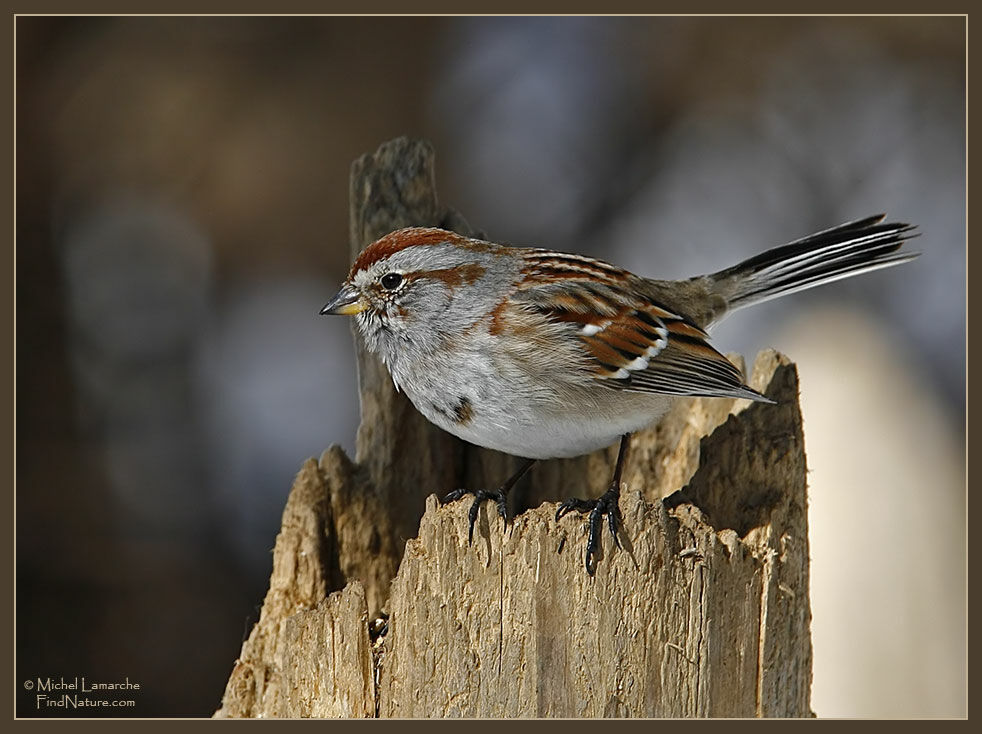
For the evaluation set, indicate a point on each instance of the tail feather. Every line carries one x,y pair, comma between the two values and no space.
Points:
841,252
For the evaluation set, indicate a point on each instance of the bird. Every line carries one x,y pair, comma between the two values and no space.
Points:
544,354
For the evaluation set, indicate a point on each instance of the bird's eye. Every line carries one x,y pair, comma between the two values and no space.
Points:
391,281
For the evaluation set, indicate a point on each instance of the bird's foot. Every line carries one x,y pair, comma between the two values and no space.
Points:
480,496
606,504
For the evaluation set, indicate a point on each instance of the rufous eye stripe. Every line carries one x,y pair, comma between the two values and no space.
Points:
453,277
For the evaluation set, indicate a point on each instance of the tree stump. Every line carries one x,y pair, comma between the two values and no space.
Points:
704,611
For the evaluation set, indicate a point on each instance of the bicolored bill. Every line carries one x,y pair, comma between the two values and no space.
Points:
347,302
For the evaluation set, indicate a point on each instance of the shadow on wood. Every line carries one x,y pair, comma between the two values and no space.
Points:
704,612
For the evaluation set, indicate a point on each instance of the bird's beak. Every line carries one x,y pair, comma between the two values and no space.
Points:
347,302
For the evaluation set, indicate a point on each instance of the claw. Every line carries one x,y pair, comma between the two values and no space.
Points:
500,497
613,522
472,518
574,504
607,505
480,496
454,495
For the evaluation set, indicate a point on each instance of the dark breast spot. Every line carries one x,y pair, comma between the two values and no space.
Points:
463,411
460,412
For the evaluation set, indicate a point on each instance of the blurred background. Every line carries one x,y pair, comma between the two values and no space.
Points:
182,199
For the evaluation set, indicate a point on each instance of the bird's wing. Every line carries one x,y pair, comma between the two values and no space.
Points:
630,341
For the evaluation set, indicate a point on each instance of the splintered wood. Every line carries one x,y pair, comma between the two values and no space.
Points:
703,611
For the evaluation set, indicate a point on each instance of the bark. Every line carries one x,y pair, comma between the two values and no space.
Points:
703,612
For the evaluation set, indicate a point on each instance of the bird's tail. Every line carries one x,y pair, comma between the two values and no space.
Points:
843,251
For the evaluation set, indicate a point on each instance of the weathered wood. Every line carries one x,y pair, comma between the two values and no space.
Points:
309,653
704,612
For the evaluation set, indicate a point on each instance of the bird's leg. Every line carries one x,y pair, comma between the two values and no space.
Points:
500,496
606,504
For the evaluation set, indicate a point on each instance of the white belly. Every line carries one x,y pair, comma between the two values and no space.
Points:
549,439
535,432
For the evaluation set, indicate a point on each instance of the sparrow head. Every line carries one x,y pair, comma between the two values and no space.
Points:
419,285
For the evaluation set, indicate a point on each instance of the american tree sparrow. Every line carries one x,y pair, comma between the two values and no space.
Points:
544,354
